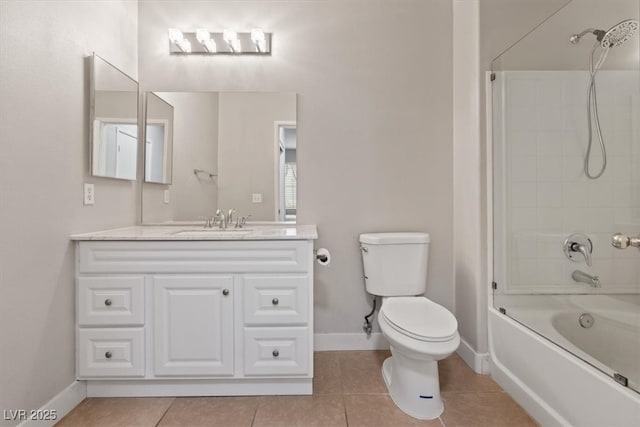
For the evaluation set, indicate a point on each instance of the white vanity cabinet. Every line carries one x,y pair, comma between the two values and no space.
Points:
178,318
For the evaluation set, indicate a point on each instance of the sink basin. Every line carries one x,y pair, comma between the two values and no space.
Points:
215,232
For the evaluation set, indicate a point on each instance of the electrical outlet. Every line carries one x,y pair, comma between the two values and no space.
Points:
256,198
89,194
167,197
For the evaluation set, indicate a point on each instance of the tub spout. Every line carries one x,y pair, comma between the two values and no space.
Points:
582,277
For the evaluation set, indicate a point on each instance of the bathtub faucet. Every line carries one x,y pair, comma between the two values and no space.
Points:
582,277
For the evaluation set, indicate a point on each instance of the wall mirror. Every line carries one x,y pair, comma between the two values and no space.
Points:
114,121
158,149
231,150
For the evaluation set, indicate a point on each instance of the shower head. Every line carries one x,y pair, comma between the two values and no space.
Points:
614,36
619,33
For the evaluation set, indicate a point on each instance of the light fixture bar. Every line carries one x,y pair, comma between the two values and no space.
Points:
202,41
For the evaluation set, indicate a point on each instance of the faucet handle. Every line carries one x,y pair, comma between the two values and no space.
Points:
578,243
241,221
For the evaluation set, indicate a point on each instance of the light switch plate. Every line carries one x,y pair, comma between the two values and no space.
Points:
167,197
256,198
89,194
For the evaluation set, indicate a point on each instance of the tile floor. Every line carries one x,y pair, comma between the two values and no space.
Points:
348,391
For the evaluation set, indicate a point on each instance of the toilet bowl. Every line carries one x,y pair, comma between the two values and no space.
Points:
420,332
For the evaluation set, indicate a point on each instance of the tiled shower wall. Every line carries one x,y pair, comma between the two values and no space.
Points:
544,126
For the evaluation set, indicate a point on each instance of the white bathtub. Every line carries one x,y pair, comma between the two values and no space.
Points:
556,386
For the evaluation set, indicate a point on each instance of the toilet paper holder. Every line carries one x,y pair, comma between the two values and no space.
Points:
322,257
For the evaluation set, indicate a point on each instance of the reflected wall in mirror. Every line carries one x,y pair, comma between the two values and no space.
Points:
243,145
114,121
158,149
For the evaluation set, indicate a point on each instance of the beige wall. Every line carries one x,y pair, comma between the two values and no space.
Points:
247,150
195,146
44,159
374,120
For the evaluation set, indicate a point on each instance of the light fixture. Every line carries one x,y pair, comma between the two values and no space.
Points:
177,38
205,40
231,37
257,37
228,41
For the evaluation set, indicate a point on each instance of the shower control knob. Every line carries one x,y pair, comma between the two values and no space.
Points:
621,241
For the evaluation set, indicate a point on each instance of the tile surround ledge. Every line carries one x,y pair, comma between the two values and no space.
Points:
198,232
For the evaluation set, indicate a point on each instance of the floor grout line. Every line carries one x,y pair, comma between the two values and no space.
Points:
255,412
344,406
165,411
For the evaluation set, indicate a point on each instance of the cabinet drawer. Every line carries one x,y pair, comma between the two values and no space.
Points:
276,351
111,352
291,256
276,299
110,301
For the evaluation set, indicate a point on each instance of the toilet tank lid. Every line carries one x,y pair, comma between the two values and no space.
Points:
394,238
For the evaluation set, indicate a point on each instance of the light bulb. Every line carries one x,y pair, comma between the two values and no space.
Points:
257,37
231,37
202,35
175,35
184,45
210,45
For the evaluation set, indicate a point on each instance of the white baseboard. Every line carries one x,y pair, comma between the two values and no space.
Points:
62,404
479,362
357,341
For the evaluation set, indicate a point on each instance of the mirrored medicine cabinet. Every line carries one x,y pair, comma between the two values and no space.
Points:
113,132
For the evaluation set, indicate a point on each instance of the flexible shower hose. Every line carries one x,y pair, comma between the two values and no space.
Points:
592,112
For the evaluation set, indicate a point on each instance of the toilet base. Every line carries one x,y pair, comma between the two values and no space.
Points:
413,385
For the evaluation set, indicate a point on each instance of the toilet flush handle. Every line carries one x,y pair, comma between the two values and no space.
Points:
363,249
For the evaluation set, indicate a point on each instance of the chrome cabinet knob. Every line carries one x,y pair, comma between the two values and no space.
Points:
275,353
225,292
107,302
108,355
275,301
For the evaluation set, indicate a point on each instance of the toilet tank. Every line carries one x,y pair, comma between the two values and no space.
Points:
395,264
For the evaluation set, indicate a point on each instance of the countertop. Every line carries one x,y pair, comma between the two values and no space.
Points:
198,232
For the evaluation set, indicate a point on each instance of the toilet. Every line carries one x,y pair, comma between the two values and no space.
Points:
420,332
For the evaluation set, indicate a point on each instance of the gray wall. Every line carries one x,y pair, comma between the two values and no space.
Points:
247,150
44,160
374,120
195,146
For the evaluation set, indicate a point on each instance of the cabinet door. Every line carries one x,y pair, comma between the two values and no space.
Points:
193,325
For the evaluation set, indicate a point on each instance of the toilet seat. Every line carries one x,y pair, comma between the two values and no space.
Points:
420,318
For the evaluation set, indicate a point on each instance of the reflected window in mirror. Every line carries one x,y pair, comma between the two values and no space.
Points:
287,166
114,121
158,149
245,145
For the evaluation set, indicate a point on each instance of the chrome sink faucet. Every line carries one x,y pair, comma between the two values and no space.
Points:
230,216
221,219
